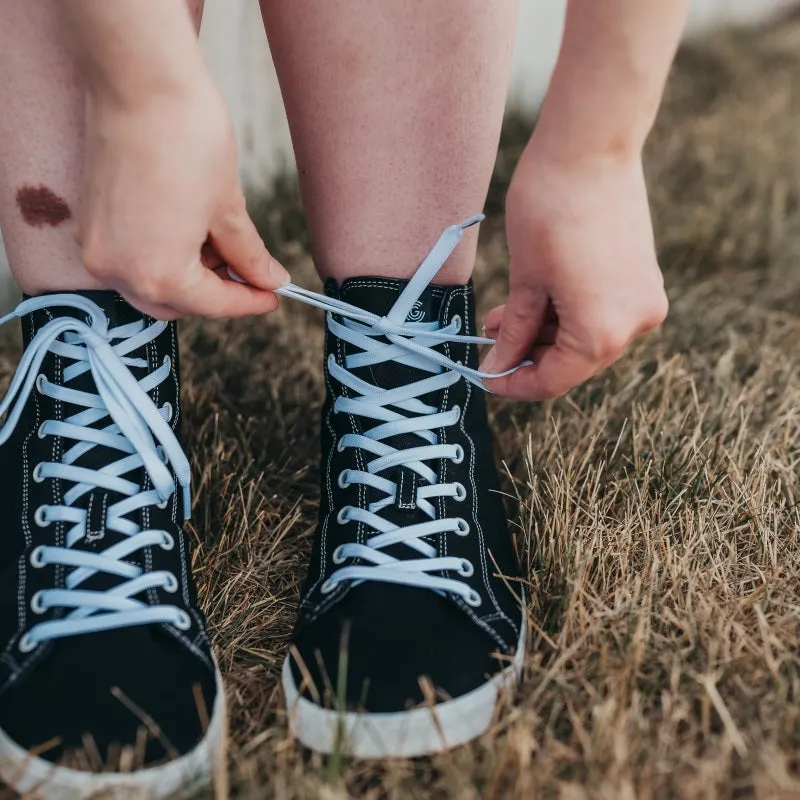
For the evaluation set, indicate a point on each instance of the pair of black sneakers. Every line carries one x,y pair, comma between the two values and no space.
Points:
410,623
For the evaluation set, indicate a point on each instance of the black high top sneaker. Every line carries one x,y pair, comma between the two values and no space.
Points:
410,623
107,679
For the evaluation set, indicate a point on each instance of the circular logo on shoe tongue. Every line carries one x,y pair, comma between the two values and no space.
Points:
417,313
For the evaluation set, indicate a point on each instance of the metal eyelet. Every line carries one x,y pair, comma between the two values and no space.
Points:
467,570
36,604
341,517
461,493
459,456
457,320
473,599
462,527
40,381
343,482
39,517
184,621
168,408
337,556
25,644
168,543
35,558
171,584
37,473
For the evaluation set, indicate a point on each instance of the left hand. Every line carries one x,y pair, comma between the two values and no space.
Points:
584,278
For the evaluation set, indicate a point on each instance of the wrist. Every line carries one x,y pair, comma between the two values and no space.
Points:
576,130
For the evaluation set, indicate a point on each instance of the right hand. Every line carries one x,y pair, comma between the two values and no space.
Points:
162,192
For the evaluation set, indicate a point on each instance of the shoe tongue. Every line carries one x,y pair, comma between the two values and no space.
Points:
436,304
117,310
378,295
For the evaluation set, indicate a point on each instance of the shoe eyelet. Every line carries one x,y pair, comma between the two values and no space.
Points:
40,518
459,456
168,408
37,473
473,599
461,493
343,482
184,621
40,381
35,558
340,446
40,433
168,543
462,527
36,604
26,644
331,361
457,409
457,320
327,587
338,558
467,570
171,584
163,504
341,517
166,360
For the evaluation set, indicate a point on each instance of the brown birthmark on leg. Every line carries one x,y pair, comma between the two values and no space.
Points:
41,207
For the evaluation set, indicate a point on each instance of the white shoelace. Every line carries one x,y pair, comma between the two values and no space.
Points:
141,433
399,411
137,429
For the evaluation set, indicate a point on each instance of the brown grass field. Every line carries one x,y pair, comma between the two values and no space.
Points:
655,508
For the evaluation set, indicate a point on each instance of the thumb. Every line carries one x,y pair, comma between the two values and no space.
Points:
235,238
523,316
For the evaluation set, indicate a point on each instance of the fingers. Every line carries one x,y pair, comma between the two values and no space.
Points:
554,373
209,294
235,238
521,320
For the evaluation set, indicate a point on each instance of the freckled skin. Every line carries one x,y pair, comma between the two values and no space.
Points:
41,207
42,120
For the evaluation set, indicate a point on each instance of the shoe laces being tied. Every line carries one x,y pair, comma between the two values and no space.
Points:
122,417
398,412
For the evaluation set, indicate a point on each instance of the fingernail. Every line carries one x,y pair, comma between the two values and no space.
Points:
489,363
278,274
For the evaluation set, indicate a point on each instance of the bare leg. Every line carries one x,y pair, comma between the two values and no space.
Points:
395,110
41,147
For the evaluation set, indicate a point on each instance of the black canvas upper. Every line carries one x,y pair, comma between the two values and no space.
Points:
398,634
65,688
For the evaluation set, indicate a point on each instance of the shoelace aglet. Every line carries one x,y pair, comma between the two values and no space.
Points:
186,497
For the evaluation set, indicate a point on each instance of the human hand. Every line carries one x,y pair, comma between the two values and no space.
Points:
163,209
584,279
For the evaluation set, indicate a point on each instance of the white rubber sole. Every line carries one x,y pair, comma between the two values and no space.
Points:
35,777
402,734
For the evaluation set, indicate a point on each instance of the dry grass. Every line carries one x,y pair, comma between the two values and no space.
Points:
656,508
